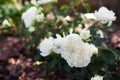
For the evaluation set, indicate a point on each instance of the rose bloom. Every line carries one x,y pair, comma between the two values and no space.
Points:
29,16
46,46
75,51
105,16
97,78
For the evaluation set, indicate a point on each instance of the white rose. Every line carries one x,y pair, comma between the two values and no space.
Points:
46,46
105,16
29,16
97,78
75,51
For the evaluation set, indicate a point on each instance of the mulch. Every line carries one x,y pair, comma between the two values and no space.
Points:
15,65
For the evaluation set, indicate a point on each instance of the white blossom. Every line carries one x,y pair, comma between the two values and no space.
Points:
94,49
6,23
29,16
45,1
31,29
88,19
105,16
88,16
72,48
34,2
97,78
100,33
46,46
57,44
40,17
75,51
85,34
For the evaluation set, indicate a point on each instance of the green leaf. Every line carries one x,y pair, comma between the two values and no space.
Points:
52,63
43,72
75,2
87,6
31,42
108,56
63,7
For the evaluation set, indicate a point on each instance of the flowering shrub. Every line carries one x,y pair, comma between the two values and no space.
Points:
71,47
71,44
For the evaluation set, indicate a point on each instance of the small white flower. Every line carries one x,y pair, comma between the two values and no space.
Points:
45,1
34,2
105,16
57,44
40,17
97,78
100,33
85,34
88,19
6,23
29,16
31,29
88,16
46,46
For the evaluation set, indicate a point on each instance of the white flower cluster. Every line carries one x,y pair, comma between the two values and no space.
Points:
72,48
103,15
97,78
31,15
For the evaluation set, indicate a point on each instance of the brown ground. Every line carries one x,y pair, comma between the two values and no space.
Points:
15,65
